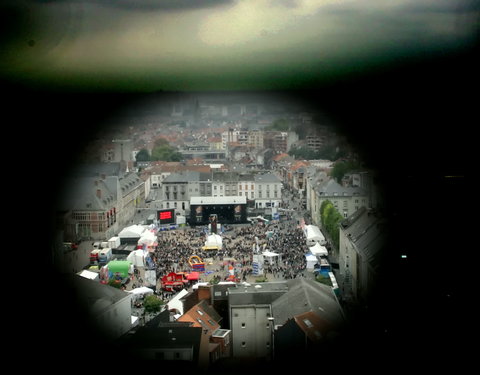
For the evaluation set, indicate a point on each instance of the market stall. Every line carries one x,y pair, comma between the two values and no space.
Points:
318,249
193,276
148,239
311,261
137,258
270,257
313,235
131,234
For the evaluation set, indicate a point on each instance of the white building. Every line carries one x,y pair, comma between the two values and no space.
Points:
268,190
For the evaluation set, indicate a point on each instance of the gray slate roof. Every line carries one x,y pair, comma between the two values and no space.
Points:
368,233
267,177
81,194
250,295
96,296
332,189
306,295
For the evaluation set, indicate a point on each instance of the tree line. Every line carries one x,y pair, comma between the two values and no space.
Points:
330,219
162,150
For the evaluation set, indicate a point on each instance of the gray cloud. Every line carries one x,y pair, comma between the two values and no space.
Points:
148,5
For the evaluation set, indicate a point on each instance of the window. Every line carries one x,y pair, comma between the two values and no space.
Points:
308,323
243,325
240,193
239,187
200,312
244,344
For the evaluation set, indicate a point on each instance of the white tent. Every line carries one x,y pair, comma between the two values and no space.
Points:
132,231
137,258
148,237
214,240
142,290
313,234
318,249
89,275
311,260
269,256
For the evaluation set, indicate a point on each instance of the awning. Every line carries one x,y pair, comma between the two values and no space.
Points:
193,276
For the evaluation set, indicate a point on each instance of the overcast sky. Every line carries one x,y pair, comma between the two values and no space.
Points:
223,44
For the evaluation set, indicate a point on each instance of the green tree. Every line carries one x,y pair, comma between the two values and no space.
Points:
166,153
341,168
143,155
330,219
152,304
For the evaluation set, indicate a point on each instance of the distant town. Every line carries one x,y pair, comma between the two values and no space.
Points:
201,231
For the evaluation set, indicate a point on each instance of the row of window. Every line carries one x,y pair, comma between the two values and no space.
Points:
108,218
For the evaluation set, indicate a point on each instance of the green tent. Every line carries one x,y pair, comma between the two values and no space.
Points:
120,267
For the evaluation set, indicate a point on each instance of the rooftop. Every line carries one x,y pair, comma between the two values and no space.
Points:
261,293
267,177
306,295
202,315
98,297
332,189
368,233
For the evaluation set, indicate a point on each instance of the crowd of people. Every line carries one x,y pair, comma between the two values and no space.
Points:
283,237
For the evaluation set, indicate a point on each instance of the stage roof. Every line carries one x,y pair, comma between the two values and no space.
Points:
218,200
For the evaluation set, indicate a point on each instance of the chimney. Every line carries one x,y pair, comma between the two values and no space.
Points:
99,194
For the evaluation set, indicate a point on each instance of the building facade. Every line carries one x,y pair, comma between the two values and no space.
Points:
346,200
362,239
261,190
